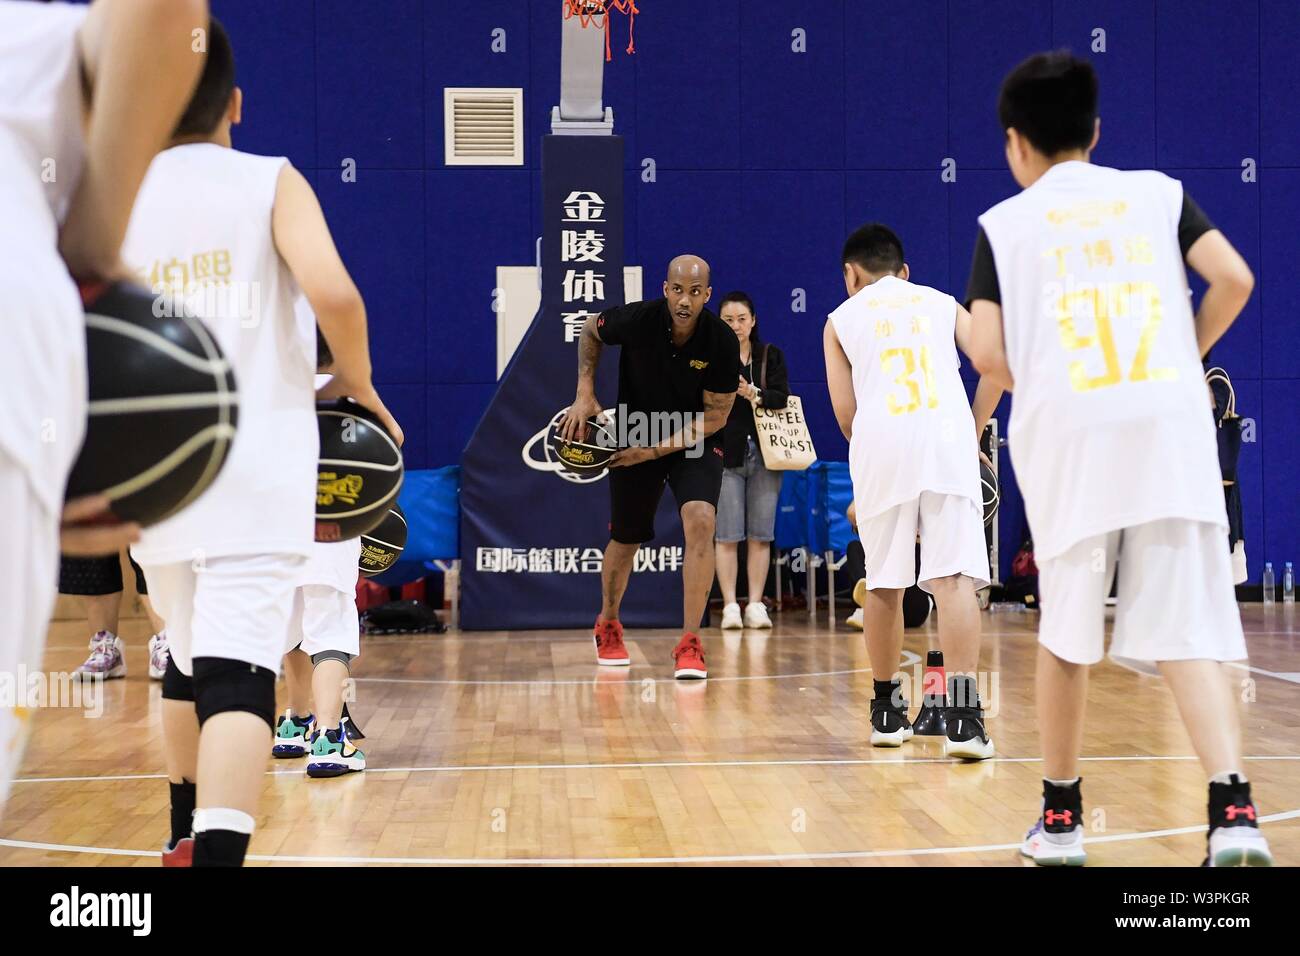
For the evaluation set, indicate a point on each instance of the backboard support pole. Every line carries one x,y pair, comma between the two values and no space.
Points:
582,73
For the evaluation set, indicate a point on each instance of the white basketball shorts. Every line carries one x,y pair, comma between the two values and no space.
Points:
952,542
325,619
237,608
1174,601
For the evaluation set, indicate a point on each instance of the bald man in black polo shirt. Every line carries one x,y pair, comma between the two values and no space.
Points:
677,375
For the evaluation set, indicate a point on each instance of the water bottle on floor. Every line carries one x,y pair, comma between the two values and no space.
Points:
1268,582
1288,584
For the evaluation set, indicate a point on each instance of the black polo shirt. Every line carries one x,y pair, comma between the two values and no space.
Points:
654,375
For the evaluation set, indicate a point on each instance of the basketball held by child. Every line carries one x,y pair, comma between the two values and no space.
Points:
360,470
163,405
382,545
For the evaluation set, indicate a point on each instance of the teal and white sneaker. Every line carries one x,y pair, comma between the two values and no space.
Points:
292,735
332,754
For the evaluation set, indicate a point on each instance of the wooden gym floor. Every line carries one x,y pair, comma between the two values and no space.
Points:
516,748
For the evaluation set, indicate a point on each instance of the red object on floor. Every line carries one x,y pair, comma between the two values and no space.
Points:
413,590
370,595
180,855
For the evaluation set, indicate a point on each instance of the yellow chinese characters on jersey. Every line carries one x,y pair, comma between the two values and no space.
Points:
1096,298
180,276
903,362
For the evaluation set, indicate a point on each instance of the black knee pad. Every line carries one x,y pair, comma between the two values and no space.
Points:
324,656
222,686
176,686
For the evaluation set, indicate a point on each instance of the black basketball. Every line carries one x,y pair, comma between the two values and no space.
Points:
382,545
589,454
359,474
990,489
163,407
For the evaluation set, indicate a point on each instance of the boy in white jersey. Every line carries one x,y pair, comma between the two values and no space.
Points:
239,236
892,372
87,98
324,640
1080,301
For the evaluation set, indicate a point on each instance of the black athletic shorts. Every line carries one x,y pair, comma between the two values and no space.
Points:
634,492
91,577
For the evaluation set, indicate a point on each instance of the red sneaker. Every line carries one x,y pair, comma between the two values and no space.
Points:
689,655
610,650
182,854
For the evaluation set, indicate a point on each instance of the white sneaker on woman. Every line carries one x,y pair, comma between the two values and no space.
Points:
731,618
756,615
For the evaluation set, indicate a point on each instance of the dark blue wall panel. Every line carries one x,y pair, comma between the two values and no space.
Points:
986,39
275,66
691,211
1280,453
792,104
1126,71
370,61
473,218
896,84
1279,83
688,92
1278,276
379,230
1207,82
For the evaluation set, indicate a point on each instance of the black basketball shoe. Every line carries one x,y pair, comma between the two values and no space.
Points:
964,717
889,724
1056,839
1234,838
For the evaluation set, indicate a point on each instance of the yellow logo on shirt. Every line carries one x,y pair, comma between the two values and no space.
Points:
1089,214
329,486
901,301
699,364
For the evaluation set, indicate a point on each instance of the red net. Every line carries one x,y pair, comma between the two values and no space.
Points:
596,13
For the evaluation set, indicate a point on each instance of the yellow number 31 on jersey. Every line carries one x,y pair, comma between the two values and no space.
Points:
912,390
1112,300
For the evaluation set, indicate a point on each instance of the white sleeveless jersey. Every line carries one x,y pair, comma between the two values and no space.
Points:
1110,422
913,430
42,359
202,224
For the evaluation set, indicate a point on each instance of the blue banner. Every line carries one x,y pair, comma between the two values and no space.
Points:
532,535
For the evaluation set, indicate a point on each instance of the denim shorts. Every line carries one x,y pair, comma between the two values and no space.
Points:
747,503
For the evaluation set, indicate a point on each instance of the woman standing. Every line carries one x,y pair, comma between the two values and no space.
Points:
747,503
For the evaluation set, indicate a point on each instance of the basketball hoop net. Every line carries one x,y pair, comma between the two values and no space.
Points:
596,13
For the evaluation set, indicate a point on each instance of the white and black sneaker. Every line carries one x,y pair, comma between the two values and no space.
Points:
1234,838
964,719
966,735
889,724
1056,838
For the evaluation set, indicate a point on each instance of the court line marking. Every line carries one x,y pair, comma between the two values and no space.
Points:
912,660
640,860
594,682
1288,676
670,765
